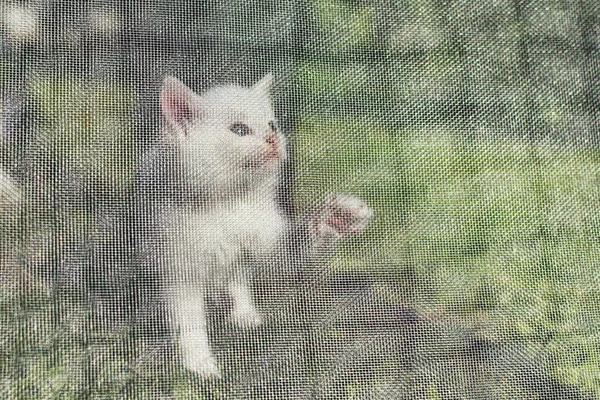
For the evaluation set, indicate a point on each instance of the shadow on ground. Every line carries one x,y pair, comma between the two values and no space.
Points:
339,340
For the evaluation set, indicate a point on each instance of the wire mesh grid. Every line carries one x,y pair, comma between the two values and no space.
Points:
438,199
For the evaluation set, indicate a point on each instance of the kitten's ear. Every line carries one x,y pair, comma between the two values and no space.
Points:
264,84
179,104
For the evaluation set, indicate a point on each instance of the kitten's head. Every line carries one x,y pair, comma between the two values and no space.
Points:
227,137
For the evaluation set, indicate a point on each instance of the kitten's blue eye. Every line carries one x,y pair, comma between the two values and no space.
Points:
240,129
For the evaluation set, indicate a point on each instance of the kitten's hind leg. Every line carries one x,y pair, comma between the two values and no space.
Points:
244,313
190,318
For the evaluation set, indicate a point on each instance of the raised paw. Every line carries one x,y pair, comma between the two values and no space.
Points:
342,215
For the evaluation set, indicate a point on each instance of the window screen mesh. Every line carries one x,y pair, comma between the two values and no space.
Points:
470,128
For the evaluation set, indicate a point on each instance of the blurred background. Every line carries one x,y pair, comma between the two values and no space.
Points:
470,127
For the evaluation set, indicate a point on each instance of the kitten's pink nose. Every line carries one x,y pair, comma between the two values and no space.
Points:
273,140
274,151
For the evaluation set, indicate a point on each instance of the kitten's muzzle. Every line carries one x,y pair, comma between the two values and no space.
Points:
274,149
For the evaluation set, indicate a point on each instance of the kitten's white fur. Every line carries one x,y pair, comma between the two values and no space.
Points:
205,244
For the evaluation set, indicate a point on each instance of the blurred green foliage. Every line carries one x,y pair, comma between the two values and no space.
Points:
88,124
499,231
343,26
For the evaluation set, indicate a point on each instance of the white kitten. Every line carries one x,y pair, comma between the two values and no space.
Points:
209,188
225,151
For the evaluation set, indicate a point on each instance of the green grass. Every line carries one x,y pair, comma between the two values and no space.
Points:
499,232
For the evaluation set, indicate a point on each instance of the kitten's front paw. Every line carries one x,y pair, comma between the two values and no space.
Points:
206,367
342,215
246,318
